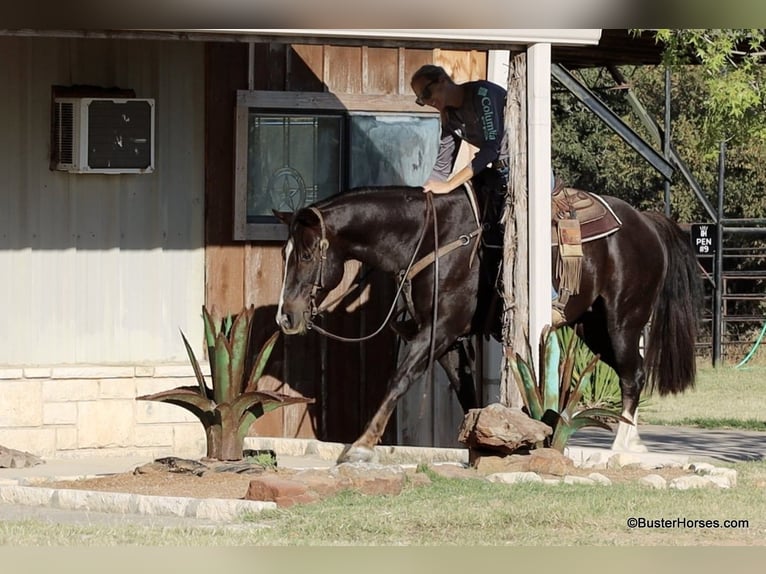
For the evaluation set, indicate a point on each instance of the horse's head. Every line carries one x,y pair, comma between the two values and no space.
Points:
313,267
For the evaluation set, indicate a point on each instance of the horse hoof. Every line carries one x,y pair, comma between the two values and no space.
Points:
356,454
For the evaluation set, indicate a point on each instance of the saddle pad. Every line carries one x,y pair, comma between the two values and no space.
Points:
596,217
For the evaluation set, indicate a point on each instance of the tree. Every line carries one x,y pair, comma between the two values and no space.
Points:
733,78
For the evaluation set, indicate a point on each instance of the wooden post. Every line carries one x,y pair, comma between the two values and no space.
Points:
515,241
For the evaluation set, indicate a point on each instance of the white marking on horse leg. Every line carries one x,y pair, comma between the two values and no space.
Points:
627,438
288,251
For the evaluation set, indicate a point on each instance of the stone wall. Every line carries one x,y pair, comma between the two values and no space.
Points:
80,411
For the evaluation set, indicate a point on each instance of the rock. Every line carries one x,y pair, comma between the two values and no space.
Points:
729,473
549,461
448,470
491,463
500,428
284,492
12,458
653,480
701,467
370,478
690,482
514,477
418,479
599,478
571,479
719,481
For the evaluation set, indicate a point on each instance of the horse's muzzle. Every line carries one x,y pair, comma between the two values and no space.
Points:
291,327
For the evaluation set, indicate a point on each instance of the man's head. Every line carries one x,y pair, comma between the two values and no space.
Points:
431,85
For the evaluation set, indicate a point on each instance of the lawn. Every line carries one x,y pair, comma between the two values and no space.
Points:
723,397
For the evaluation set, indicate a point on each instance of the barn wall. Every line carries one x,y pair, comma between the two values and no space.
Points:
348,380
99,272
100,269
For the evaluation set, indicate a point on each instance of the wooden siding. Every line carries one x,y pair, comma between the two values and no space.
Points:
348,380
100,268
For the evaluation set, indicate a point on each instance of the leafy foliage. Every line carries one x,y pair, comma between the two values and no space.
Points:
556,397
732,78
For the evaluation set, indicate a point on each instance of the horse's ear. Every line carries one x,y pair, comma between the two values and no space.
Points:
285,217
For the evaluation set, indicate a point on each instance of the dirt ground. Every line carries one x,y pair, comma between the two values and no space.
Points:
234,486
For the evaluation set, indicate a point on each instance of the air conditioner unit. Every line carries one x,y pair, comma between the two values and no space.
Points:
104,135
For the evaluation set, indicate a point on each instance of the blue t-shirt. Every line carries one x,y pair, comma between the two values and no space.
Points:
480,121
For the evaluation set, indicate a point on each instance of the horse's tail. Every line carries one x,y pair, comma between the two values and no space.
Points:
669,363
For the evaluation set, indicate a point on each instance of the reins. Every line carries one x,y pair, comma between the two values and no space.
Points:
316,311
413,268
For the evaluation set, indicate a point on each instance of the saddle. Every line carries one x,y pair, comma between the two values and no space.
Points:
577,217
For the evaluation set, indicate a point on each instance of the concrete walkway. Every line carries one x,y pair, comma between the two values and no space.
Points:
21,500
702,444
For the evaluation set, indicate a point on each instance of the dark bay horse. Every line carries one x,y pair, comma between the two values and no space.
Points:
645,270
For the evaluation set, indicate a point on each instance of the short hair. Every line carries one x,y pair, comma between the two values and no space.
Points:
431,72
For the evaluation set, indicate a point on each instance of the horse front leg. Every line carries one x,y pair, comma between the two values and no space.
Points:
412,366
458,364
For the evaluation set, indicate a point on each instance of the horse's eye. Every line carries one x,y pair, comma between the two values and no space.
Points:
306,256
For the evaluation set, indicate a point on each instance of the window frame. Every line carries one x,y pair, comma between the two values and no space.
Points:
296,102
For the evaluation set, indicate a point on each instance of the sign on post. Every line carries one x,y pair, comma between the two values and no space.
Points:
703,235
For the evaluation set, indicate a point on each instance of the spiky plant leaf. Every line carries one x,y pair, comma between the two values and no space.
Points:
550,364
575,392
210,334
203,390
239,340
260,362
525,379
186,397
222,368
252,405
567,367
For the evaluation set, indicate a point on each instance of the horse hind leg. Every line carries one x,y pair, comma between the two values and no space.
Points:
631,372
627,438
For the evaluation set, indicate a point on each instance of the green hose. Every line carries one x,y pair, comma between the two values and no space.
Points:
754,349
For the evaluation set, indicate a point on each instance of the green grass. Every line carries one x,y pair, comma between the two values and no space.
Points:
722,398
459,513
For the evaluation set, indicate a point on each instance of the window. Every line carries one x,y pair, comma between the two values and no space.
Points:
296,148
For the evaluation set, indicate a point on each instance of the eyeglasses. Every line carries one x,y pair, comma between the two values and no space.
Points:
425,94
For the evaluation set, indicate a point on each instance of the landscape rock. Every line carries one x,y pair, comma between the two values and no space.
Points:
654,481
500,428
12,458
454,471
549,461
571,479
690,482
284,492
599,478
514,477
485,463
372,479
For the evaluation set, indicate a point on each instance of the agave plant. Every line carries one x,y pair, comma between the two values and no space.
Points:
234,402
555,397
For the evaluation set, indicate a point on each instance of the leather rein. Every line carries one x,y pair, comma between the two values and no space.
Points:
413,268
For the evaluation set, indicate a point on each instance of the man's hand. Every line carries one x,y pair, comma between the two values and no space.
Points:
437,187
